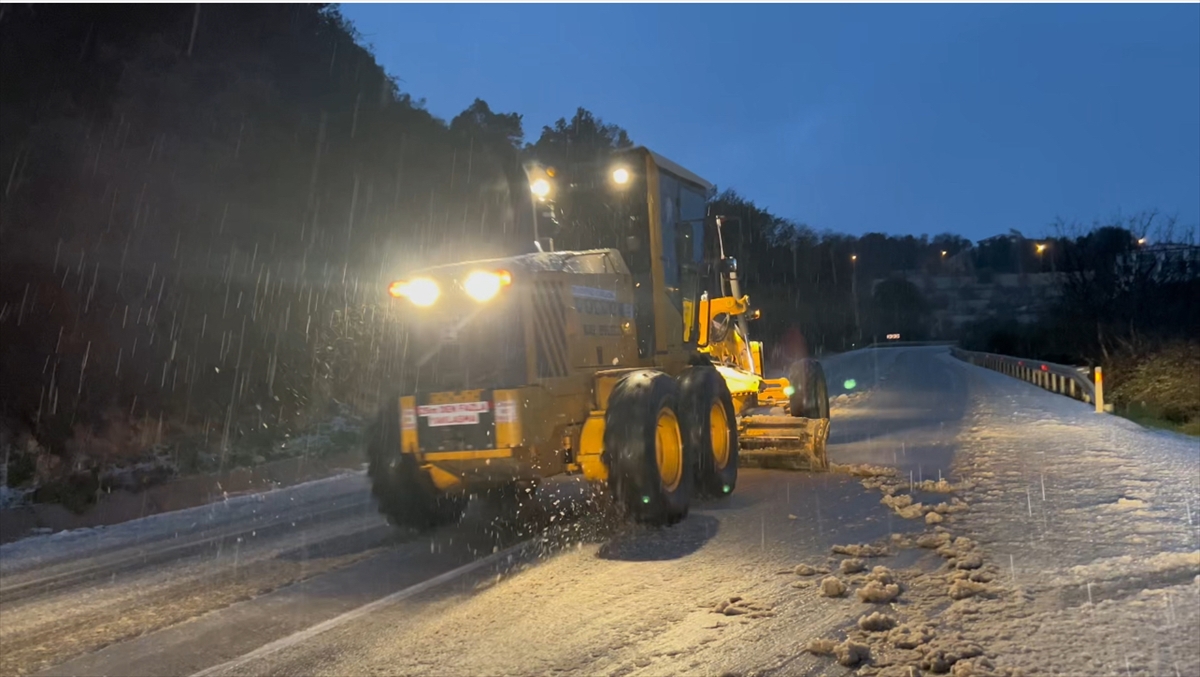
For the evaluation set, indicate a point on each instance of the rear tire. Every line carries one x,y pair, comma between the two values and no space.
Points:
810,399
649,471
404,492
710,429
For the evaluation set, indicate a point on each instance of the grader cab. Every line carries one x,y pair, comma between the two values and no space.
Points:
630,365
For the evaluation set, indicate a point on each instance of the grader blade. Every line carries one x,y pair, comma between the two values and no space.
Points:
785,442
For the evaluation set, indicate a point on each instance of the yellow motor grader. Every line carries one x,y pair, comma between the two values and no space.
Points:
631,366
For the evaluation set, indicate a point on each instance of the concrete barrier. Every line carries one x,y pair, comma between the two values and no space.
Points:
176,494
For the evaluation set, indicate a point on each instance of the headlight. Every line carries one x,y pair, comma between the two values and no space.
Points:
422,291
483,285
540,187
620,176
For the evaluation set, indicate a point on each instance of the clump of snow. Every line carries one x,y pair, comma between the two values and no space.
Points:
861,550
882,575
875,592
852,566
876,622
964,588
832,587
737,606
982,576
940,486
968,561
821,647
863,470
932,517
1163,562
954,506
897,502
809,570
910,636
851,653
973,667
941,658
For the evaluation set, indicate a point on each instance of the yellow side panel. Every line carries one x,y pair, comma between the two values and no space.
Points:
408,424
688,317
508,418
756,355
591,446
604,384
740,402
473,455
456,397
441,479
739,381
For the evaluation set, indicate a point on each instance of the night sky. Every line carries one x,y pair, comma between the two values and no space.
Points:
900,119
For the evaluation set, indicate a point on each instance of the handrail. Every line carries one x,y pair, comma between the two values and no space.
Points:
1074,382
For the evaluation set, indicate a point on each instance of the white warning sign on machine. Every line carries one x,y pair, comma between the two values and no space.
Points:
506,411
456,413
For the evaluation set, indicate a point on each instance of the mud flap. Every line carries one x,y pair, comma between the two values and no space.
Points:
784,442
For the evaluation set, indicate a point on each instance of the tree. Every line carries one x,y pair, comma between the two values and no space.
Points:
898,307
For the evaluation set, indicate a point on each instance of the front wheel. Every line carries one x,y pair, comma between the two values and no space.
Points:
710,429
405,494
649,471
810,396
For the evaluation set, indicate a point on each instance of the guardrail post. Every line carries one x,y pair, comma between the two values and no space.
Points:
1099,390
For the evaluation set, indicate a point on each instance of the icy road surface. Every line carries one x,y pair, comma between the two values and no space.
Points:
1057,542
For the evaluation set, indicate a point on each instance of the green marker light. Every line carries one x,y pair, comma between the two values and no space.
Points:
850,384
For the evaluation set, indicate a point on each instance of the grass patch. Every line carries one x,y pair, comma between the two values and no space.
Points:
1152,417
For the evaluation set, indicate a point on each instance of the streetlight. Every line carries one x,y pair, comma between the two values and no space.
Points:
1141,241
620,176
540,188
1041,247
943,253
854,292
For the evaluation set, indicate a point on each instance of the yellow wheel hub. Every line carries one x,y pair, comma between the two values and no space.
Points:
668,450
719,429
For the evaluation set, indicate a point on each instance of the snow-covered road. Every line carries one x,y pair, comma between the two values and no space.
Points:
1060,542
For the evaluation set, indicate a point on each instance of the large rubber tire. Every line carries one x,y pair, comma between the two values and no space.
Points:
710,429
641,419
810,397
404,492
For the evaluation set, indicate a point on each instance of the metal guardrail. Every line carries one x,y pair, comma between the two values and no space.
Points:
1074,382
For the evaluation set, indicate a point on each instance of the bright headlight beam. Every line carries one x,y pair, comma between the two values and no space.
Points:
620,176
540,187
483,286
422,291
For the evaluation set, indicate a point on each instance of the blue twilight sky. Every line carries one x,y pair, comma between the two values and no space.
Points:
892,118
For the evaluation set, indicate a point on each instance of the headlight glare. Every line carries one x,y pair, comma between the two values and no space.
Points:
422,291
483,285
